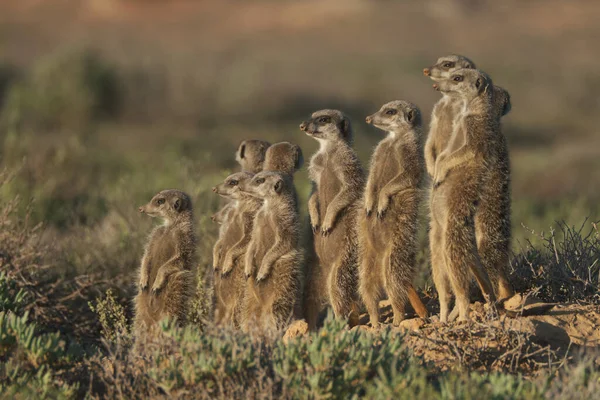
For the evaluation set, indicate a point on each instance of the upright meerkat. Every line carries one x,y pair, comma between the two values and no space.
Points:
283,157
338,181
168,267
229,250
459,173
250,155
492,221
273,258
388,220
493,218
445,110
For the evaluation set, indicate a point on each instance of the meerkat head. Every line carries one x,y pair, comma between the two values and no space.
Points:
251,155
168,205
328,125
501,101
466,83
447,65
396,116
267,184
284,157
230,188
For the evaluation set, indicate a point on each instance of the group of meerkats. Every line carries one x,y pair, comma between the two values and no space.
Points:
363,241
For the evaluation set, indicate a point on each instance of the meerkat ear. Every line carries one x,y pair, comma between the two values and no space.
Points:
345,127
278,186
177,203
411,116
298,158
507,106
242,150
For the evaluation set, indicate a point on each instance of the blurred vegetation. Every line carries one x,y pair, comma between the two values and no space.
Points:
102,104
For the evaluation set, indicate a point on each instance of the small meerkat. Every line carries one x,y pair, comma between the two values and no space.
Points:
167,272
273,258
458,177
445,110
229,250
388,220
283,157
492,221
338,181
493,218
250,154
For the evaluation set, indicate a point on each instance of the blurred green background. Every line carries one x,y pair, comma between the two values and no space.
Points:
105,102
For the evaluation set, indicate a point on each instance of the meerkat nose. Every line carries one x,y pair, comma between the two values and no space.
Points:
435,86
426,71
214,189
141,209
303,126
369,119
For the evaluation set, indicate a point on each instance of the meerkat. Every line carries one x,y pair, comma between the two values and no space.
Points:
338,181
228,252
273,259
167,272
492,221
388,219
458,177
283,157
493,229
250,154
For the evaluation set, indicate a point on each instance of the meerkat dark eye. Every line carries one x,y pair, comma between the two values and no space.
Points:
324,120
457,78
448,65
233,183
391,111
160,201
260,181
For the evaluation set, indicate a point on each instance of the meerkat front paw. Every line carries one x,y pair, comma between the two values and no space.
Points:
327,226
369,205
315,228
262,275
227,265
157,287
384,202
143,284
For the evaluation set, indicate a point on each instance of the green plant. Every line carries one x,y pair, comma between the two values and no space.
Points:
112,317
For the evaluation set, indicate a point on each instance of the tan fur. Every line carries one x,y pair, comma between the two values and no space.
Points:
251,155
338,181
492,220
444,111
283,157
388,219
493,217
229,250
273,258
459,174
168,267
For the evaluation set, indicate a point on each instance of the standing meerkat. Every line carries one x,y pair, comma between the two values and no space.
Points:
388,220
250,154
338,181
445,110
492,221
228,252
273,258
168,267
458,177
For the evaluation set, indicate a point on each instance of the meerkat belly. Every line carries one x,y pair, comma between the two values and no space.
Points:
161,253
267,234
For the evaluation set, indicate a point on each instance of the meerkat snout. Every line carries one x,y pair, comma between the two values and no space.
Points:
214,189
426,71
436,87
303,126
369,119
141,209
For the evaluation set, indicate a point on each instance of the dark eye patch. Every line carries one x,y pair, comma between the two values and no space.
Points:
324,120
233,182
391,111
448,64
160,201
458,78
